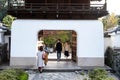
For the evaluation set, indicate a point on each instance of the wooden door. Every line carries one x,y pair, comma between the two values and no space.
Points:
74,46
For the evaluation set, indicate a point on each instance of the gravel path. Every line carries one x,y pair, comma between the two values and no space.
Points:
60,76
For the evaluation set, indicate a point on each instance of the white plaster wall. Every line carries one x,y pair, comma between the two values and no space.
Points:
0,38
1,33
107,43
90,41
115,40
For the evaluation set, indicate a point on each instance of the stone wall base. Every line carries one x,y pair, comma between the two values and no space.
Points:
89,61
25,61
81,61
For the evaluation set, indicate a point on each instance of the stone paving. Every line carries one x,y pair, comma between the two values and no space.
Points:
54,56
63,70
60,71
60,76
56,76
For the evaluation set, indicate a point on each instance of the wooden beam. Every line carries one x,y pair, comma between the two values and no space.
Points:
45,2
69,2
95,0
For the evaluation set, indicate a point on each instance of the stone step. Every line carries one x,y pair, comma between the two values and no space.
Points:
65,69
70,70
61,66
60,60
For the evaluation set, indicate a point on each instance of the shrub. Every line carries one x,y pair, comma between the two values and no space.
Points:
7,20
99,74
8,74
13,74
109,57
24,76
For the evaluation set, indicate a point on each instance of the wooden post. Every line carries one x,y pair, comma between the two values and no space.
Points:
74,46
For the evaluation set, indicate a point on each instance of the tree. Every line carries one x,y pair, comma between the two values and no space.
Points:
110,21
119,20
63,35
7,20
3,8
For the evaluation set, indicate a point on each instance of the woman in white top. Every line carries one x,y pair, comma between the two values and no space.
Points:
40,61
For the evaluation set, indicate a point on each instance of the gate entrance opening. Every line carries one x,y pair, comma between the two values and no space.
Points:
48,38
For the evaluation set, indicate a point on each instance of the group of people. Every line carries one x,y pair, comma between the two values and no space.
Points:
42,54
60,48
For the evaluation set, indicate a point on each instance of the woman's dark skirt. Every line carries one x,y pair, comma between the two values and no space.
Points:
66,53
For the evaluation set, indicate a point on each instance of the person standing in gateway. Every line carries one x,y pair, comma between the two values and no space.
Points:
66,49
58,49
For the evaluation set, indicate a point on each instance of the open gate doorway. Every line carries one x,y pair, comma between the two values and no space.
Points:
49,38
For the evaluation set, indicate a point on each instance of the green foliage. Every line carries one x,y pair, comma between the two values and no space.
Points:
99,74
85,79
63,35
110,21
7,20
49,40
3,8
109,57
82,73
8,75
13,74
23,76
119,20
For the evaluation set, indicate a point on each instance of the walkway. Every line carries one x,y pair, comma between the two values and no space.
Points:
63,66
63,70
54,56
53,66
62,76
56,76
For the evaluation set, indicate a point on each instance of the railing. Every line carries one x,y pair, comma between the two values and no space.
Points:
56,7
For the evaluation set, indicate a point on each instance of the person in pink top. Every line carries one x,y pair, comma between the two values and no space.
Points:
66,49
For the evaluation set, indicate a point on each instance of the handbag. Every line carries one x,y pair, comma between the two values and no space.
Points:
43,56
